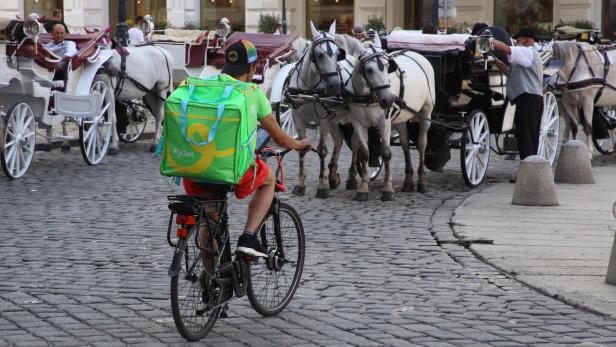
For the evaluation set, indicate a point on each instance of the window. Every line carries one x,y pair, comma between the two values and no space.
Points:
512,15
212,11
42,7
156,8
417,13
609,18
323,12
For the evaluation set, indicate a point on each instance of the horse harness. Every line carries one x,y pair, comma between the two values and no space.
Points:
123,76
594,81
292,95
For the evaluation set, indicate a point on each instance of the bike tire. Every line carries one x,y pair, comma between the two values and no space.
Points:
186,296
270,290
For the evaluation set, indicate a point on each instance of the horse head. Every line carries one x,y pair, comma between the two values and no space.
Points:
325,54
373,67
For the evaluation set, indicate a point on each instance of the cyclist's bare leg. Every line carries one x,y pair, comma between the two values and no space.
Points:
260,203
208,260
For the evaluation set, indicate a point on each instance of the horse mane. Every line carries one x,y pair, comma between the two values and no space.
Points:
299,45
568,52
350,44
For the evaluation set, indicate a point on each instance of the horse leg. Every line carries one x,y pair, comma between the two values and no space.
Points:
351,183
408,185
586,120
385,131
66,146
323,187
362,162
334,177
114,149
422,142
157,108
300,186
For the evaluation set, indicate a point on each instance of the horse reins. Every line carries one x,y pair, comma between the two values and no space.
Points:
123,76
600,81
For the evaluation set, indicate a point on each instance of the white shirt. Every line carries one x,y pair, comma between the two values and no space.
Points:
64,48
135,36
522,55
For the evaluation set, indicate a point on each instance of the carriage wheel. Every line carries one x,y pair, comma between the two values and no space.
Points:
606,145
373,171
19,140
475,149
284,116
137,121
95,132
550,126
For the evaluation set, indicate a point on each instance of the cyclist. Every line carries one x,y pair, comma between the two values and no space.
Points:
240,64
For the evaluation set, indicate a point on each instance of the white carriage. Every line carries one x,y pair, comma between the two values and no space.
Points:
31,97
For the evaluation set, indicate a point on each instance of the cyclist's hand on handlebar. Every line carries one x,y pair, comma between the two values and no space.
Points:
304,145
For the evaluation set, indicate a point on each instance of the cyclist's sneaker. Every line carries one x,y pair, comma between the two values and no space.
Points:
250,245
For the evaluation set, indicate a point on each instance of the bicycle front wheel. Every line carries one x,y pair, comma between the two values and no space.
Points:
273,281
191,305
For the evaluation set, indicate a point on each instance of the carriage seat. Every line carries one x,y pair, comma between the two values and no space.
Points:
87,45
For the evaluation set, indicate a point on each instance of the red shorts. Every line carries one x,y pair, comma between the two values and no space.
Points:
248,183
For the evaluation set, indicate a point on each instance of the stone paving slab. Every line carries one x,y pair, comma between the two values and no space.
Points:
561,250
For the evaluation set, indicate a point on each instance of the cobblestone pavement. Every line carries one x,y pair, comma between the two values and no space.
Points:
84,261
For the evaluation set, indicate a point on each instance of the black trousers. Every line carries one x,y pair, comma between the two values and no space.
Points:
528,111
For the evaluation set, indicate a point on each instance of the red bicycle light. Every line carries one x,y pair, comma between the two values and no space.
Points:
182,233
186,219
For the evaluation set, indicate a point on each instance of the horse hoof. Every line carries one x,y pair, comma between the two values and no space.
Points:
387,196
299,190
407,187
422,187
114,151
66,149
334,182
361,196
322,193
351,185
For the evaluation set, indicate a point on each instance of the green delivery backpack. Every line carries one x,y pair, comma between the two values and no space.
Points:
209,130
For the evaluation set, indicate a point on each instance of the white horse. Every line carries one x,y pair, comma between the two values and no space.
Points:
317,72
375,85
582,78
148,76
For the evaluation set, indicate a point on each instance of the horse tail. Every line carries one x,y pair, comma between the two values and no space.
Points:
168,58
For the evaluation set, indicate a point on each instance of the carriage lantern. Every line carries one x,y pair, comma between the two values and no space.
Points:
147,26
31,26
223,29
485,41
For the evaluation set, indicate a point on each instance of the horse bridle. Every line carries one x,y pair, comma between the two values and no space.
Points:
323,39
363,59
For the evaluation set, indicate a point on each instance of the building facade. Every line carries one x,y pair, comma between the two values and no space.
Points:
408,14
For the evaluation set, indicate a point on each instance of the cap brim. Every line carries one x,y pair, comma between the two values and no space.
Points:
515,37
235,69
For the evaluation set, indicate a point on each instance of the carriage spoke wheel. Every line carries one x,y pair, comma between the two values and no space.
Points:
549,129
606,145
19,140
137,121
284,116
475,149
95,132
373,171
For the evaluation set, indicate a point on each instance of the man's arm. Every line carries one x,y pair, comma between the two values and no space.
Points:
518,55
71,49
281,138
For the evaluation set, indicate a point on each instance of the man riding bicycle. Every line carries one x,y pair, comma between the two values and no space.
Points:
240,64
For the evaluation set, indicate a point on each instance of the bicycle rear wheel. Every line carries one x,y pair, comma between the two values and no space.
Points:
192,317
273,281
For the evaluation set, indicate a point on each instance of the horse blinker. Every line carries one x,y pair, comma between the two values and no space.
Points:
341,54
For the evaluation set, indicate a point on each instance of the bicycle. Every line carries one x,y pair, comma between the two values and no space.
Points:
205,274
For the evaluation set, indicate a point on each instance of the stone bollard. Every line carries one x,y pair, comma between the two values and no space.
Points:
574,164
535,183
610,278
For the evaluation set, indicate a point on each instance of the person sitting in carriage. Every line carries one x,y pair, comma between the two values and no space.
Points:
524,88
65,49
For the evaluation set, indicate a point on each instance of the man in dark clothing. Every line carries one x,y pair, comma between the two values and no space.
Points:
56,18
